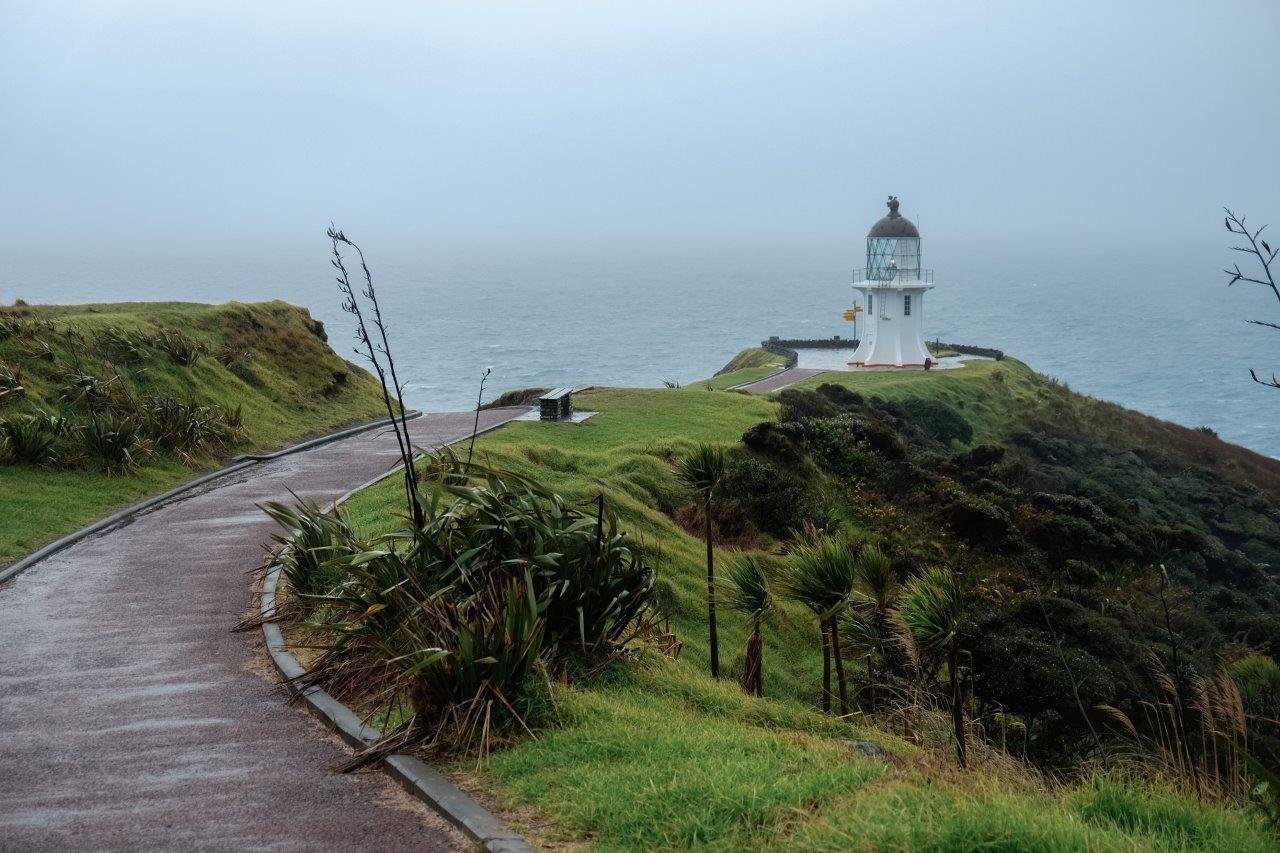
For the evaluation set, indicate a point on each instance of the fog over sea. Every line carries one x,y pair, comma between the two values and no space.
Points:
1152,327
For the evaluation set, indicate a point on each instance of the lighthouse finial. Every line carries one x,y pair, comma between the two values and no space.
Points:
893,207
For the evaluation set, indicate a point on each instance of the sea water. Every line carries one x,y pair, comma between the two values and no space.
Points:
1150,326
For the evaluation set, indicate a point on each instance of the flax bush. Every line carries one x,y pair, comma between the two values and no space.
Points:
452,626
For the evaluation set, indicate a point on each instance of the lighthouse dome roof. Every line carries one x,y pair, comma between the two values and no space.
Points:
894,224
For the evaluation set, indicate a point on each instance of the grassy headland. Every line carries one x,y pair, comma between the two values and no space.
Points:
262,373
991,469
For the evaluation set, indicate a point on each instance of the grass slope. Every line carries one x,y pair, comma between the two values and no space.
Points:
659,755
280,371
753,357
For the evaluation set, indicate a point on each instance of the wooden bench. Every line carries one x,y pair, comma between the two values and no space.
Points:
556,405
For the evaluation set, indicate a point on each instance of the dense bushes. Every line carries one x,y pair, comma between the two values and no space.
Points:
799,405
941,422
1060,526
784,441
841,446
114,434
453,621
186,426
93,409
775,498
30,439
980,522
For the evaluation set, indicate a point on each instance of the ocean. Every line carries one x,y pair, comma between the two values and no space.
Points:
1152,327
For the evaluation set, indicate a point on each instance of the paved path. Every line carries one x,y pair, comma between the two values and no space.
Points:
132,717
778,381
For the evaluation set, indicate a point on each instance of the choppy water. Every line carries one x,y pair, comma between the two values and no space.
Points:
1151,327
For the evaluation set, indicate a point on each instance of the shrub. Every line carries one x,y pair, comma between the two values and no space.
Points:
11,386
31,438
838,445
782,441
775,498
233,357
983,457
455,618
81,387
312,552
186,426
122,346
840,395
180,348
980,522
799,404
1076,526
1258,679
877,435
1020,671
938,420
112,440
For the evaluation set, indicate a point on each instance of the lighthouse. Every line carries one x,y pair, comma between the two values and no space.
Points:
890,295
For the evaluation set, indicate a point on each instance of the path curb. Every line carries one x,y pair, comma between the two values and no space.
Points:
239,463
413,774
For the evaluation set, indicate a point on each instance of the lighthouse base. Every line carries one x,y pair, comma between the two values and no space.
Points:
887,366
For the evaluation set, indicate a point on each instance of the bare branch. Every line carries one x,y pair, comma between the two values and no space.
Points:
1266,256
352,306
1273,382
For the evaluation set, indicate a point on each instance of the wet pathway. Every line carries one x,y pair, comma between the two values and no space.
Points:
132,717
778,381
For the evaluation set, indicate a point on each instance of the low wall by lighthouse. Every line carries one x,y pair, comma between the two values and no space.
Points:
786,347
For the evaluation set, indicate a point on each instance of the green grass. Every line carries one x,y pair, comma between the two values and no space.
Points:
656,754
285,386
992,395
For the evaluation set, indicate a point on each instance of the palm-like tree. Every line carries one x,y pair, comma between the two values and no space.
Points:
820,576
702,470
749,592
875,592
932,607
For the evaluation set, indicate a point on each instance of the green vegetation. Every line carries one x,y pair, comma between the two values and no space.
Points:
453,629
101,405
755,357
666,758
702,471
1026,492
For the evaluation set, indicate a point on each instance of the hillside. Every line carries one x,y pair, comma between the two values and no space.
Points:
1055,511
114,402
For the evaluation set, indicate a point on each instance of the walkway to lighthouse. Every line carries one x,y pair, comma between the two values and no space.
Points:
778,381
135,719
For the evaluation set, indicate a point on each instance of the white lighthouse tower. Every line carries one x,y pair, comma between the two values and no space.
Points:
892,289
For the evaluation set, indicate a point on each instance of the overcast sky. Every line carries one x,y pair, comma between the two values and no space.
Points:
149,122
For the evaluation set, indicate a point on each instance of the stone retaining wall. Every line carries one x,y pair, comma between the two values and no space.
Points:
786,347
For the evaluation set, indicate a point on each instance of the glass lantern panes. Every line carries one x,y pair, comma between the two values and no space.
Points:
904,252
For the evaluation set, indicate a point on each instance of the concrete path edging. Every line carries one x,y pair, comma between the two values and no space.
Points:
414,775
417,777
239,463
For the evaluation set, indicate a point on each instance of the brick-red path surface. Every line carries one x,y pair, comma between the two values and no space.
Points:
132,717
